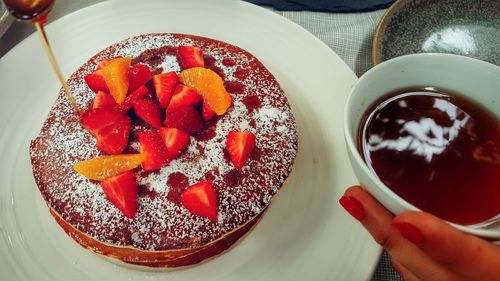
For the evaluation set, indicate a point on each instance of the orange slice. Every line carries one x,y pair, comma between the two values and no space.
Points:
116,77
210,85
104,167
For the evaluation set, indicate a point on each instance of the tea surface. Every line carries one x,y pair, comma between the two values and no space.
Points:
438,151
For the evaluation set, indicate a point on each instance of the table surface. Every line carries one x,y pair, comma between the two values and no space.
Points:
348,34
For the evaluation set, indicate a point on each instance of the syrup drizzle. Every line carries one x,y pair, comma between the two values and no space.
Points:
57,69
37,12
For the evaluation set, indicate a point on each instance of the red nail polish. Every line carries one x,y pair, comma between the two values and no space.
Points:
353,207
409,232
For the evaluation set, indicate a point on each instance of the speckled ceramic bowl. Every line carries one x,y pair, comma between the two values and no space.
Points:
463,27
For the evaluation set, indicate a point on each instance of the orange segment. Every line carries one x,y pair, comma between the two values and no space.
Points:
116,77
104,167
210,85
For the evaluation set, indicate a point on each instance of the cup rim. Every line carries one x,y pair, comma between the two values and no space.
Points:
356,155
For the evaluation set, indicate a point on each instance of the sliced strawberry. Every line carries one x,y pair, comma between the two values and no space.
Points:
103,100
129,101
190,56
155,150
185,118
104,62
207,112
201,199
121,190
96,82
184,95
239,146
149,111
116,76
175,140
164,86
139,75
110,128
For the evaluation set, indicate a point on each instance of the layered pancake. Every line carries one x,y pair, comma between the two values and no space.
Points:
163,230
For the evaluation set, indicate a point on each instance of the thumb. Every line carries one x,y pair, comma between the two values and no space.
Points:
466,255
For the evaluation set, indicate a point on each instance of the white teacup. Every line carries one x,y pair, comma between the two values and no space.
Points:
474,79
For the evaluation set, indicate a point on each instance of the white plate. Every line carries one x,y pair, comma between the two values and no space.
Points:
305,235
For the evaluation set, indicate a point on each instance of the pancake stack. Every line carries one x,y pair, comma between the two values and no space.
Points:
164,230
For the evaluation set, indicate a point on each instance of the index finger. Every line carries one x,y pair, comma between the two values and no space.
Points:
467,255
377,220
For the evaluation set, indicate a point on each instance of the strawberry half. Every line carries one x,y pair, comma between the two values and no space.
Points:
190,56
103,100
239,146
110,128
207,112
139,74
129,101
201,199
164,85
96,82
185,118
149,111
121,190
116,74
175,140
184,95
152,146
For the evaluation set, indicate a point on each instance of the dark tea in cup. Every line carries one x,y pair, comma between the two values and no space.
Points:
437,150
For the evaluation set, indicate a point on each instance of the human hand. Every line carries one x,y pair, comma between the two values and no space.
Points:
422,246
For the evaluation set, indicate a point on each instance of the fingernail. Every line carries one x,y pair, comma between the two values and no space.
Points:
353,207
409,232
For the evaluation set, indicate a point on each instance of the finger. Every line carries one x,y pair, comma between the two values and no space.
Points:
377,220
403,271
467,255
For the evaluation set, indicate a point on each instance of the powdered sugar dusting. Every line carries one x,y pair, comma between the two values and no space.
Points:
160,223
170,64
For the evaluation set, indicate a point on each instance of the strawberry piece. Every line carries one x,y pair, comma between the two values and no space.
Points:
139,75
121,190
239,146
96,82
175,140
207,112
184,95
152,146
102,64
116,76
185,118
149,111
164,85
190,56
201,199
129,101
103,100
110,128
